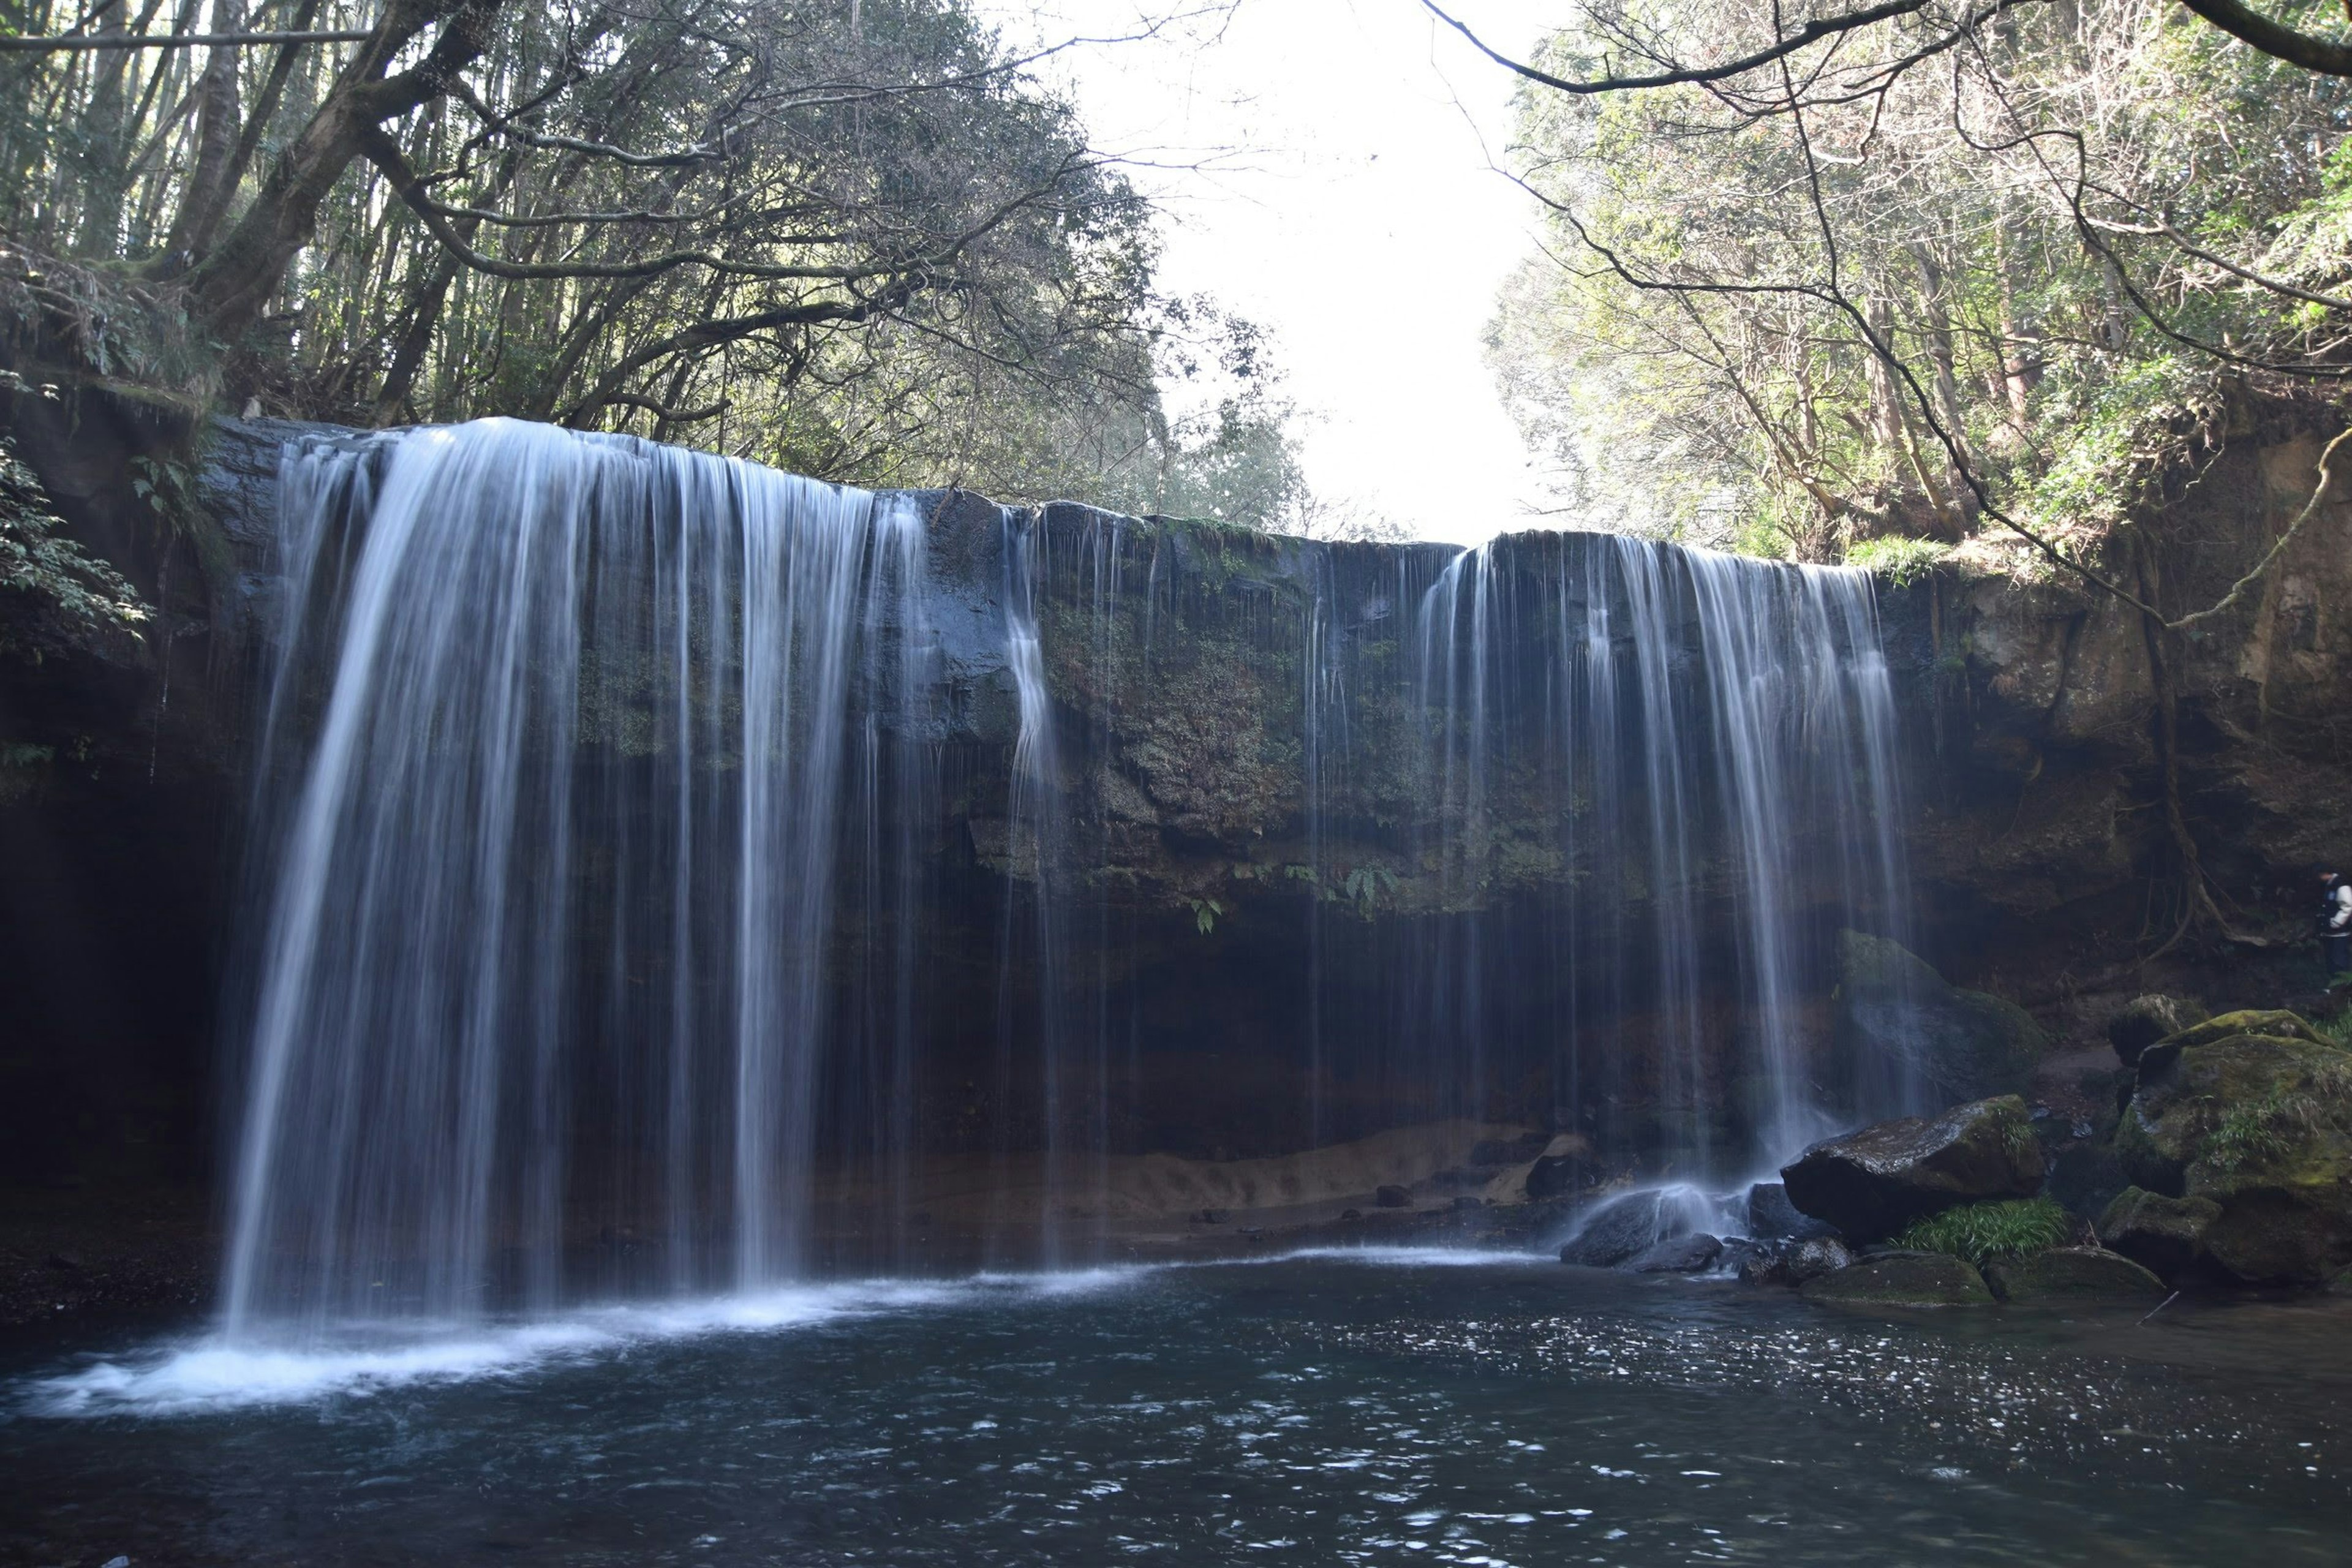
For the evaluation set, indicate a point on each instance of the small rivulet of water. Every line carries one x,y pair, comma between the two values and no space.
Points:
645,897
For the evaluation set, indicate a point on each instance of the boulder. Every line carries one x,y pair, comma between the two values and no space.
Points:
1869,1185
1816,1256
2072,1274
1903,1280
1392,1197
2165,1235
2260,1125
2144,1020
1896,1016
1563,1168
1788,1262
1770,1213
1623,1229
2275,1023
1683,1255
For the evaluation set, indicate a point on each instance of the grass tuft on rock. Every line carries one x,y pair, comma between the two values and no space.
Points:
1982,1233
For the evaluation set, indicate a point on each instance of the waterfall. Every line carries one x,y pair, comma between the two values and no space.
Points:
556,851
674,876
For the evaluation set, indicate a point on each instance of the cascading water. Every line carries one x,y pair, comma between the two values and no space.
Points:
676,876
554,858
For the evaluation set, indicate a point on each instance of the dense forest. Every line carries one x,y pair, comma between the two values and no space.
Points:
1897,272
856,239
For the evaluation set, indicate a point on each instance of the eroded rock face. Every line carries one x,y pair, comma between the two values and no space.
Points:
2261,1126
2166,1235
1903,1280
2072,1274
1870,1184
1893,1009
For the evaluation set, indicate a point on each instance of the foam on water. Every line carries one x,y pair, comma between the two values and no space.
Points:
218,1372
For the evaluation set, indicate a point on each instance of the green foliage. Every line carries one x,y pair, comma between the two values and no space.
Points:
1362,886
1731,390
1984,1232
40,564
2338,1030
1900,560
2256,1133
865,242
1204,914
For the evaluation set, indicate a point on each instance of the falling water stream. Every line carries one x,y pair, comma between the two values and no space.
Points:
592,884
675,886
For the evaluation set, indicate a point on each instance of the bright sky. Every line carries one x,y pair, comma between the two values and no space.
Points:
1353,215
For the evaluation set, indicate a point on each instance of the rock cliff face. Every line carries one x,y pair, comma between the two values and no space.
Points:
2045,862
1203,779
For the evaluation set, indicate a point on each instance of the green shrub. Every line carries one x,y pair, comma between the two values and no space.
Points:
36,561
1901,561
1980,1233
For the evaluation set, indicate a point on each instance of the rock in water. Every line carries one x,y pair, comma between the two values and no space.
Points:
2260,1124
1871,1183
2144,1020
1893,1009
1392,1198
1770,1213
1903,1280
2072,1274
1621,1229
2162,1233
1789,1262
1811,1258
1683,1255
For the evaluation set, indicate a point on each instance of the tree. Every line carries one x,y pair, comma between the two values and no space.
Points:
1940,270
845,237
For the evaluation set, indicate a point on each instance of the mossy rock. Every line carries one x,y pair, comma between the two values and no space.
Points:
2275,1023
2260,1125
2072,1274
1871,1183
1895,1010
2162,1233
1902,1279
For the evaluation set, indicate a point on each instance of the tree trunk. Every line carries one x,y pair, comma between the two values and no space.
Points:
108,155
233,285
207,190
1944,390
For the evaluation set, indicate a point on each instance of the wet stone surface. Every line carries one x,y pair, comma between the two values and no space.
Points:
1374,1409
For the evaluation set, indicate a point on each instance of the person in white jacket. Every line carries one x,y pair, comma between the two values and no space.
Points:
2335,920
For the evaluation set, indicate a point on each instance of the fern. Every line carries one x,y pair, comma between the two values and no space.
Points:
1983,1233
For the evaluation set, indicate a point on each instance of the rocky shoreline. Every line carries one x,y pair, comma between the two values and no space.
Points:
2225,1163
